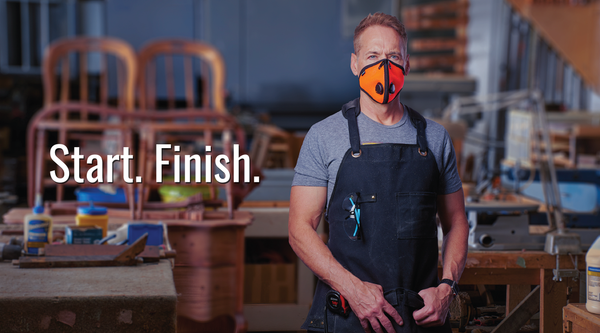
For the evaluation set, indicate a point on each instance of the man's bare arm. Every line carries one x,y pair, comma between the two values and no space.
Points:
451,210
456,232
366,299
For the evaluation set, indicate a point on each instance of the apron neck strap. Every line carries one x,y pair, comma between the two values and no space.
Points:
351,110
420,124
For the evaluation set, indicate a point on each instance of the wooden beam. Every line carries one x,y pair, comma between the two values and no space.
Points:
437,44
515,293
516,259
499,276
553,299
521,314
572,31
485,294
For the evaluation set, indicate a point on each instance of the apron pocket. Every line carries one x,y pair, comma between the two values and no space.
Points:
415,215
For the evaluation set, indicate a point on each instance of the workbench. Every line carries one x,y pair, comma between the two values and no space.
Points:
208,270
519,270
138,298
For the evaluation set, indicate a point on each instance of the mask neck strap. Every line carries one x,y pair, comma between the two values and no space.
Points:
350,111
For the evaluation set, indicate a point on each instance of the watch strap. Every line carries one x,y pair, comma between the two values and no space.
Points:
453,285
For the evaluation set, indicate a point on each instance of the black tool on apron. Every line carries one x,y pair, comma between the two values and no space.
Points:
392,241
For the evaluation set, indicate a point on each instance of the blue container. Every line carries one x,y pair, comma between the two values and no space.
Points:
82,234
155,233
93,194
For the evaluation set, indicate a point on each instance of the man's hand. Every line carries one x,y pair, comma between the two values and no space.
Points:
437,302
369,305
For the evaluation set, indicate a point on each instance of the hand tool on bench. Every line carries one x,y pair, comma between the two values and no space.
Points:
127,257
11,250
151,253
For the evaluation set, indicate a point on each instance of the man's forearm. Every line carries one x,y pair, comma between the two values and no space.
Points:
454,249
310,248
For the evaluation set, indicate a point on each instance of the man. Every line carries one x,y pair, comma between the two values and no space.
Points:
384,171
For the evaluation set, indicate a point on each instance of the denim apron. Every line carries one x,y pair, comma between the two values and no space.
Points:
392,187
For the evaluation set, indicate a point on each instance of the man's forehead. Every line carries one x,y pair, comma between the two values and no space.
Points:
371,40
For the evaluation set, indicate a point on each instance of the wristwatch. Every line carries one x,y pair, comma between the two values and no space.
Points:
453,285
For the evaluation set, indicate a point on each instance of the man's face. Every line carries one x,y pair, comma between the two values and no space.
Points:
376,43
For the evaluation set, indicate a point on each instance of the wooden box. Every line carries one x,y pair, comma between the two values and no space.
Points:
270,283
577,319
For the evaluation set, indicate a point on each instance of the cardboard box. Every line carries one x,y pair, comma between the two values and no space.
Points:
270,283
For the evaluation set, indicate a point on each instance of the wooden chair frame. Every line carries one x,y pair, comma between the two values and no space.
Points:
147,125
207,53
60,50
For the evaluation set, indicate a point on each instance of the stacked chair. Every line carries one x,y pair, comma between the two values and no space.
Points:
90,87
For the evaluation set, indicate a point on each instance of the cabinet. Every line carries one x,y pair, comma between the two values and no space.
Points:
273,223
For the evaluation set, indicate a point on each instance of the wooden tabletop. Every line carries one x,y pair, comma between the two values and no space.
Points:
211,219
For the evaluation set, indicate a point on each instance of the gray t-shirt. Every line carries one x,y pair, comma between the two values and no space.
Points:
327,141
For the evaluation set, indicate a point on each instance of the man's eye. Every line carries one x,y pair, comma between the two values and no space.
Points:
371,57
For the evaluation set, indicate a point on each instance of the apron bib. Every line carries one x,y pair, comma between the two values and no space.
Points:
393,189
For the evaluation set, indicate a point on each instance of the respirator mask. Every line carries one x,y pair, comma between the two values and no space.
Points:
382,80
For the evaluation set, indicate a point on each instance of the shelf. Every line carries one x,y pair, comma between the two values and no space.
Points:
272,222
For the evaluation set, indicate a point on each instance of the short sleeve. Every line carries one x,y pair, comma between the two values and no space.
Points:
311,170
449,180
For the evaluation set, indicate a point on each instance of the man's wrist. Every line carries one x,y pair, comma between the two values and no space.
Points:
446,289
452,285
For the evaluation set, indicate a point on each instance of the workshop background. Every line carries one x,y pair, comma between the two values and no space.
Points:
515,82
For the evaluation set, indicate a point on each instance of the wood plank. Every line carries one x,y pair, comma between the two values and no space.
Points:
71,261
126,257
264,204
211,219
515,293
427,61
574,286
572,31
520,259
498,276
553,297
521,314
485,294
435,23
150,252
586,131
444,7
436,44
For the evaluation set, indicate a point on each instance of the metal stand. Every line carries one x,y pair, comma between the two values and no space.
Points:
558,240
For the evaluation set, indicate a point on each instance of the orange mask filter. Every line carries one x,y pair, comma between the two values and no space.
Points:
382,81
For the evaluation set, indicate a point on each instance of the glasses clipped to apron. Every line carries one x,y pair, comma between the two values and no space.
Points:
352,222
